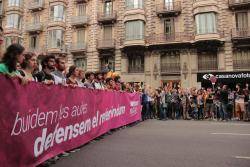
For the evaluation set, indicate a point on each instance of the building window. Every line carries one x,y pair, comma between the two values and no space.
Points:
207,61
11,40
107,32
56,39
134,30
36,18
241,59
108,8
170,62
205,23
108,63
14,2
14,21
57,13
169,26
81,9
81,63
80,33
135,62
80,38
241,23
134,4
1,8
169,4
34,42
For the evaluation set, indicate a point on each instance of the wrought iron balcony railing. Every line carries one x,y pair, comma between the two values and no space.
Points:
208,65
169,8
241,33
177,37
137,69
170,68
239,4
241,64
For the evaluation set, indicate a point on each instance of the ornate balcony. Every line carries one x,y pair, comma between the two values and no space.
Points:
60,50
56,1
78,47
17,8
241,37
81,1
79,21
202,6
170,68
37,6
106,44
38,50
240,33
34,27
57,22
239,4
138,40
209,35
11,30
209,65
136,69
175,38
107,18
132,13
168,9
241,64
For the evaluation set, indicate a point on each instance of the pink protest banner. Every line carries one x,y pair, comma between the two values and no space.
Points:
38,122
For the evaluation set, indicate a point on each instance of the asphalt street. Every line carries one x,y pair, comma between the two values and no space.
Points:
168,144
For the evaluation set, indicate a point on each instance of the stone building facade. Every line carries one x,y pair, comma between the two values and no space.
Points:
149,41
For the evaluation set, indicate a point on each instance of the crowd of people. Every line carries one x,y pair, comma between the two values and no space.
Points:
18,63
221,104
162,103
52,70
166,102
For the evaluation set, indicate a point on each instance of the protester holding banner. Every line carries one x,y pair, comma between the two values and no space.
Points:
98,83
12,56
110,84
28,66
72,76
118,83
48,66
59,73
89,80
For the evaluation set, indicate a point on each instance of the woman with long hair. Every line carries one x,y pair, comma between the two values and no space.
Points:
12,56
72,76
28,66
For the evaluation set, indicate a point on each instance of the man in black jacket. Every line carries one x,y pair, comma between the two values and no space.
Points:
48,66
223,102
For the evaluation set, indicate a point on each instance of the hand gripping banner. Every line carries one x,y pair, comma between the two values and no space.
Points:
38,122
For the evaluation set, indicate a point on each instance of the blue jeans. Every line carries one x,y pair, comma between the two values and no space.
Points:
223,111
163,112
